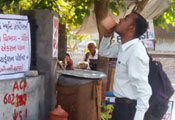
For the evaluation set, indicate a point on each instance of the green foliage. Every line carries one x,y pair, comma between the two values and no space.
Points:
105,111
115,5
71,12
112,5
86,50
168,17
74,39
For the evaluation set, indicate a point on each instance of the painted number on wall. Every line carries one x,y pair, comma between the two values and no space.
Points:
18,98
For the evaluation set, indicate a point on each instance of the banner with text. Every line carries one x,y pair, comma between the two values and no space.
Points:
15,46
55,37
169,113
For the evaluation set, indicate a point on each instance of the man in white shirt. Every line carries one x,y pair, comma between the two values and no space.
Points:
92,56
131,86
93,53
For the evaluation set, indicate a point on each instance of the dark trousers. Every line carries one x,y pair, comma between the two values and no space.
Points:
124,109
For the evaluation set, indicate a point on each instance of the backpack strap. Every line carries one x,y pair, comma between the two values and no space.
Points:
159,67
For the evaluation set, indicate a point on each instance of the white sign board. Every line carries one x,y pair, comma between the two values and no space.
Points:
149,35
15,46
168,114
148,44
55,37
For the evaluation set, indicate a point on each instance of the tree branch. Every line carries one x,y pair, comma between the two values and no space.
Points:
140,5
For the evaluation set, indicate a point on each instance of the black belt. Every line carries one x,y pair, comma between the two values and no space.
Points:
124,100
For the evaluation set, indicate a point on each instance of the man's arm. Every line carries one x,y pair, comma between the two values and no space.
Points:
86,56
107,50
138,69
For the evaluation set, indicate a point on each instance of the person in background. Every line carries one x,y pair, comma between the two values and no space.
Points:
93,53
131,87
92,56
68,62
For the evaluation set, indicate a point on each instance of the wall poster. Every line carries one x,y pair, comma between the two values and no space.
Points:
55,37
15,46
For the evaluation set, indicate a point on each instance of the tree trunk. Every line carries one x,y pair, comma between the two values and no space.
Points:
101,10
62,42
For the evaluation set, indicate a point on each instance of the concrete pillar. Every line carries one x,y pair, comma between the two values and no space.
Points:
41,22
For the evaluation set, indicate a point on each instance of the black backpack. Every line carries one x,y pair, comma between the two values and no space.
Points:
162,90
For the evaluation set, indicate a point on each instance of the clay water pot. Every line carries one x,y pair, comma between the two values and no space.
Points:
58,114
108,22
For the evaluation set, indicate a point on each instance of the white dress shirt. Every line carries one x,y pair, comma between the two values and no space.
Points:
131,73
93,57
